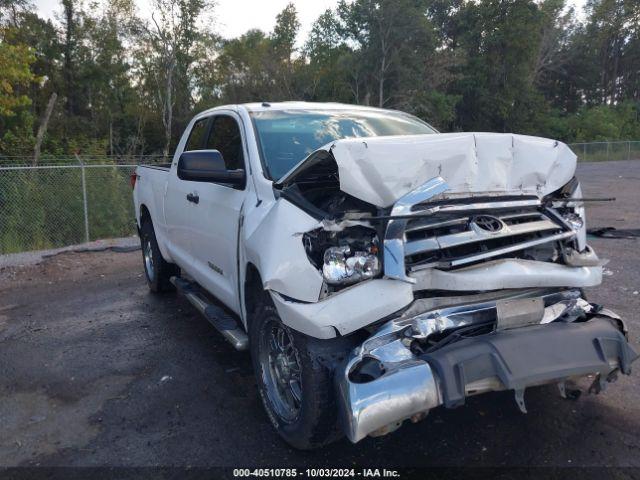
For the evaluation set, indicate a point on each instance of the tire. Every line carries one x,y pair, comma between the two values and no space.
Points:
315,422
158,271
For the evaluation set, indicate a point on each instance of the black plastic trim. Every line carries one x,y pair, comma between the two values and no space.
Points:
531,355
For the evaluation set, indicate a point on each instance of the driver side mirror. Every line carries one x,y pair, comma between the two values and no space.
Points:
208,166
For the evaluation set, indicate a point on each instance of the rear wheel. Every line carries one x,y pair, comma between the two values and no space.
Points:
157,270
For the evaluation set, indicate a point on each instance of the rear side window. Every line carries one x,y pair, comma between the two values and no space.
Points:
196,137
225,137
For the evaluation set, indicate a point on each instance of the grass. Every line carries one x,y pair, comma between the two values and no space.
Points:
44,208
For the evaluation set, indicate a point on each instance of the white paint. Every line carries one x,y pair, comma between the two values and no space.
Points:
276,248
348,311
508,273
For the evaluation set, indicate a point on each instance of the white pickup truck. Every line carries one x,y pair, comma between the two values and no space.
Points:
375,268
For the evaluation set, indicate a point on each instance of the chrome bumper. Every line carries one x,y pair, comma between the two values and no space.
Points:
384,382
379,407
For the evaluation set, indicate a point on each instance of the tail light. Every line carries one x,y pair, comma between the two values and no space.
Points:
133,179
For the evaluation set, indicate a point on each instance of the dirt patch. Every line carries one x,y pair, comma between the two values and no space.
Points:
66,267
34,423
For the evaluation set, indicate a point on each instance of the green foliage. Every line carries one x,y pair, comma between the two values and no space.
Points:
394,43
44,208
501,39
16,80
438,108
15,63
285,33
18,136
604,123
129,86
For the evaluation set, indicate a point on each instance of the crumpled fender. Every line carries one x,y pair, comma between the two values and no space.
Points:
275,248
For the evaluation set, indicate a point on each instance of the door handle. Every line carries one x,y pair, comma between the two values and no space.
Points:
193,198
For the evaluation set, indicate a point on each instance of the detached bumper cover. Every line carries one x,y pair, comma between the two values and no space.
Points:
513,359
531,356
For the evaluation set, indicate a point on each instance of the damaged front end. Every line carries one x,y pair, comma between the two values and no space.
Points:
484,228
413,364
466,268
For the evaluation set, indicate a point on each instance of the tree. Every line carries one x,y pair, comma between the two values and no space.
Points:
108,74
613,27
391,37
330,62
245,69
285,32
16,78
169,45
501,41
127,86
260,67
282,44
11,10
15,63
69,46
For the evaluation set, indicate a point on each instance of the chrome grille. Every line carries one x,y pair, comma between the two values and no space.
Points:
426,232
459,240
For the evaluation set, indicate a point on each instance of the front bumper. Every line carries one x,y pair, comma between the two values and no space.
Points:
386,381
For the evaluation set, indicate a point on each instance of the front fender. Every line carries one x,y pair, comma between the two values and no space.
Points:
275,247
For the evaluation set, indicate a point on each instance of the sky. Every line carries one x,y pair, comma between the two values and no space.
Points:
234,17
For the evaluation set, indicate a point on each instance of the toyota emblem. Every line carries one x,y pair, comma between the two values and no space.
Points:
488,223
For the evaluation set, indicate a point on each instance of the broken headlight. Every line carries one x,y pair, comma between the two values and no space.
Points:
342,266
574,220
566,203
344,256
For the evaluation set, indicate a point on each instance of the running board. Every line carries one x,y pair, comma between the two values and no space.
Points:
224,323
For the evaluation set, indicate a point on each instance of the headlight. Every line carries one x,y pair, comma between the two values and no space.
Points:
574,220
341,266
572,212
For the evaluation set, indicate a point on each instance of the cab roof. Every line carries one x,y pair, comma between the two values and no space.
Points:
279,106
266,106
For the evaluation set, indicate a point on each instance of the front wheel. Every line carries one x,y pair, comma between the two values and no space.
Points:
295,386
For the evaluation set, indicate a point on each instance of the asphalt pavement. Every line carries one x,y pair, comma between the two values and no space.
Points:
96,371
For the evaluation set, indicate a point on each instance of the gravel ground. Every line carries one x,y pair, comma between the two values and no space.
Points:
26,259
96,371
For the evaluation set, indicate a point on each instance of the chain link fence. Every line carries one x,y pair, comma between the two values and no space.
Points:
65,201
604,151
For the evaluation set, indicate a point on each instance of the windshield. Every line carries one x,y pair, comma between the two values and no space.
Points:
287,137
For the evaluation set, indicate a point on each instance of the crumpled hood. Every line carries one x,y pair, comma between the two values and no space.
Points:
380,170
